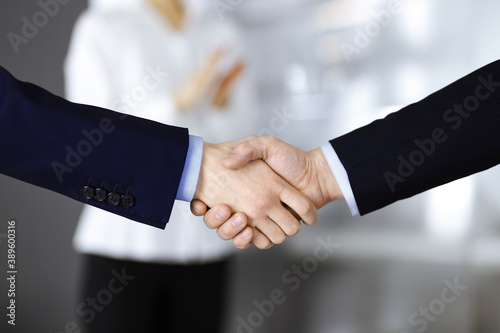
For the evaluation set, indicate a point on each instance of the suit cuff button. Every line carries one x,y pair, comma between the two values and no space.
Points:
114,197
100,193
87,191
128,200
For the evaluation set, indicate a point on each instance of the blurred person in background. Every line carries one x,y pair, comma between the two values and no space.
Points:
168,61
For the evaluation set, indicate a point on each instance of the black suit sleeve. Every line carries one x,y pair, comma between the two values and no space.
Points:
61,146
450,134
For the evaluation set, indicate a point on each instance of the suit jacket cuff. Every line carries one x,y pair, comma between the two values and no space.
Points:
341,176
191,172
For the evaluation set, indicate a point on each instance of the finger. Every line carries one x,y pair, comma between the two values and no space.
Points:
243,240
198,208
270,229
233,226
216,216
237,142
244,153
260,240
300,204
285,220
297,216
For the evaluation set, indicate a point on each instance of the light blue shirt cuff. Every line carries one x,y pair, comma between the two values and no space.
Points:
341,176
191,172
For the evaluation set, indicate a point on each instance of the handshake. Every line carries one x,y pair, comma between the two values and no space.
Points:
266,186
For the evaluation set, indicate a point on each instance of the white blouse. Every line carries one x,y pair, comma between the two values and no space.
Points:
127,58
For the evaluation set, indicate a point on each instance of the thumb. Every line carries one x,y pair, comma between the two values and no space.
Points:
244,153
198,208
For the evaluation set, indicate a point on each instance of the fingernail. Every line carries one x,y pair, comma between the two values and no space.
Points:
246,234
237,222
220,215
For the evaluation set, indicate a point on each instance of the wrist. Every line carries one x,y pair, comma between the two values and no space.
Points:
329,186
213,175
202,179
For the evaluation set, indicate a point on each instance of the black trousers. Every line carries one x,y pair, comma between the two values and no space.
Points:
126,296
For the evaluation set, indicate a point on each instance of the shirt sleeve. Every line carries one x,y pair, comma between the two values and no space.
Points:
341,176
191,172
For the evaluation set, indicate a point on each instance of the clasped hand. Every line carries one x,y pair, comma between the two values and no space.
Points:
266,187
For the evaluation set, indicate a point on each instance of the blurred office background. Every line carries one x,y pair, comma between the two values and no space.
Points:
430,263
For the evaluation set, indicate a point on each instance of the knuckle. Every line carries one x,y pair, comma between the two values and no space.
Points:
279,239
276,183
240,243
267,139
307,211
263,201
293,229
223,234
314,217
262,242
307,208
251,137
237,244
242,147
264,246
210,222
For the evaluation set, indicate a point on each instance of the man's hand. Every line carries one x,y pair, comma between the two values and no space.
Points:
255,190
228,226
308,172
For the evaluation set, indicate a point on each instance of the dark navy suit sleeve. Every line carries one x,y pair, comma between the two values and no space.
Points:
449,135
61,146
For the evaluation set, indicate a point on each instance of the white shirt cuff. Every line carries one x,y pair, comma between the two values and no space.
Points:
191,172
341,176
